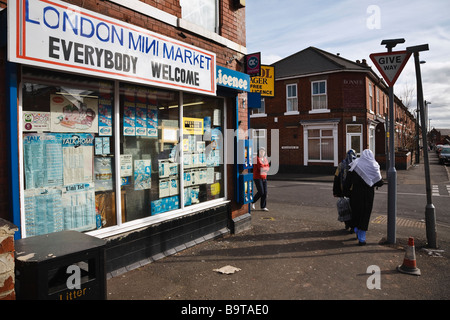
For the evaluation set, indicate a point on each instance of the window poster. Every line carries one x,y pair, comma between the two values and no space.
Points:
43,160
141,119
192,126
142,174
78,152
103,174
129,119
152,122
164,188
74,115
78,206
43,210
105,117
126,165
36,121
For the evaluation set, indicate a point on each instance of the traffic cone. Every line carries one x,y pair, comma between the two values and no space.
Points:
409,262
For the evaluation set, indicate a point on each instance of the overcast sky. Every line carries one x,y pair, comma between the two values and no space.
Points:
355,29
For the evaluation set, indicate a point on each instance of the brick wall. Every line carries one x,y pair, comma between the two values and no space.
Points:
7,279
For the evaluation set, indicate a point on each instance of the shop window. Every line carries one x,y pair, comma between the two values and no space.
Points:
148,151
203,149
68,152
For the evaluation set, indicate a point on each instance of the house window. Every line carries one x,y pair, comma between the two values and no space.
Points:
378,101
260,111
370,97
372,138
259,137
320,145
354,138
319,95
204,13
291,98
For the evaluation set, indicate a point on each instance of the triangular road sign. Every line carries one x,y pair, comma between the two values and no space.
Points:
390,64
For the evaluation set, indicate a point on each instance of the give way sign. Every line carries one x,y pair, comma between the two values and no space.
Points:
390,64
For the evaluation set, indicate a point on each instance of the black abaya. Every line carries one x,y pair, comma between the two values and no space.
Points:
361,199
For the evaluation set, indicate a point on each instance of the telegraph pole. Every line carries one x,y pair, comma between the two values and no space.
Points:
430,216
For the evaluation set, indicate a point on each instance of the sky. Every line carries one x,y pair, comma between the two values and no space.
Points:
355,29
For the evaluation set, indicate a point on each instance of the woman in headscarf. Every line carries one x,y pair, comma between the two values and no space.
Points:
364,175
339,179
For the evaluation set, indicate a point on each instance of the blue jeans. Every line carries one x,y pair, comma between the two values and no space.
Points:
261,186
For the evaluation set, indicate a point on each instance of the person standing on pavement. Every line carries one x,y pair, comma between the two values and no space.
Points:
363,176
260,170
339,180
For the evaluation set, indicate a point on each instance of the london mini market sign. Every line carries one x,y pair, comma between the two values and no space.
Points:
56,35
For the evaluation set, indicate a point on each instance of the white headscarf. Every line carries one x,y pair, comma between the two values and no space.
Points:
367,167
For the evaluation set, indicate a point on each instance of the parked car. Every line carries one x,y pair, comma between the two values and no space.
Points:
438,148
444,155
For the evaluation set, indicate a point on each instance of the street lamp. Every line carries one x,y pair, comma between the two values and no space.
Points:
430,217
427,120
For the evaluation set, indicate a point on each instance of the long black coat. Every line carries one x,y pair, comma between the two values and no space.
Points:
361,199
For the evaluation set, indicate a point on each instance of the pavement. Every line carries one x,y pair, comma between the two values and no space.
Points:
294,253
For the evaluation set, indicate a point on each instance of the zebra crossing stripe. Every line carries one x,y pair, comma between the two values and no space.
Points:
435,191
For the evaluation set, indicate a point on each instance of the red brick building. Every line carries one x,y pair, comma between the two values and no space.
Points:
324,105
114,123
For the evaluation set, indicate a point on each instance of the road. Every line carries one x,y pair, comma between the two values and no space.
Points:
411,194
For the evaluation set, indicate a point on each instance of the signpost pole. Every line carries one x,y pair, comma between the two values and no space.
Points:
430,216
392,173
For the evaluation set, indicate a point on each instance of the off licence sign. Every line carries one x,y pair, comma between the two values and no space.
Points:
390,64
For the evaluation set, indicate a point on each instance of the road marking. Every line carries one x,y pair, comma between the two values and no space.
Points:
435,190
400,222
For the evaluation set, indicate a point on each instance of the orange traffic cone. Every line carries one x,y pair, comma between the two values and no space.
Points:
409,262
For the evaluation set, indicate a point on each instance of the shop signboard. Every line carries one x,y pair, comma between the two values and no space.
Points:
253,64
233,79
264,84
56,35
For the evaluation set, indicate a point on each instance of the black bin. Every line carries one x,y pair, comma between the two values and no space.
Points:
66,265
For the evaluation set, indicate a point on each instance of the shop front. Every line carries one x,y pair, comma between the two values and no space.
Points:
120,133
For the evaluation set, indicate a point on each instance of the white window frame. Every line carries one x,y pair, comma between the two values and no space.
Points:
349,136
320,95
291,100
259,112
322,126
372,138
370,97
378,100
192,13
259,137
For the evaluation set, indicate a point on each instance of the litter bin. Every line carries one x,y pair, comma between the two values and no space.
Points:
66,265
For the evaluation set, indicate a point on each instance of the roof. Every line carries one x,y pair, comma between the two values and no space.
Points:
443,132
312,61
